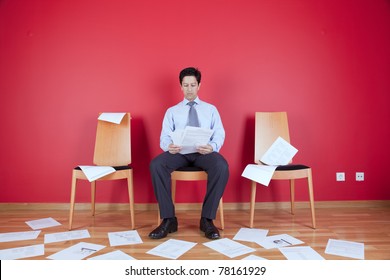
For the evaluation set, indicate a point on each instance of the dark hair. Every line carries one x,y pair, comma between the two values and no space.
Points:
190,71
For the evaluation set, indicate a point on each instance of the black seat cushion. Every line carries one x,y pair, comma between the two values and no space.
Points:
189,168
290,167
117,168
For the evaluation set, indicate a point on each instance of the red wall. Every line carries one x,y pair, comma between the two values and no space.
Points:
325,62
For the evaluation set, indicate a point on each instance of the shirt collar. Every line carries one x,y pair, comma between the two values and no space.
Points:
197,101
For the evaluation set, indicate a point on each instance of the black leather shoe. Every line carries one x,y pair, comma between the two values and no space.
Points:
168,225
210,231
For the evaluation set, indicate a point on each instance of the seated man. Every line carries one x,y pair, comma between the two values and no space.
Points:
194,112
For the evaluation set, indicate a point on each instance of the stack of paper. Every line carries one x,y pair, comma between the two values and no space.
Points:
190,138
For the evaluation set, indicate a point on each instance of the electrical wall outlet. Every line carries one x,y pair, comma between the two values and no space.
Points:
359,176
340,176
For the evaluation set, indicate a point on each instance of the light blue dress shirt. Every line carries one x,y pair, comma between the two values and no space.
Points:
176,117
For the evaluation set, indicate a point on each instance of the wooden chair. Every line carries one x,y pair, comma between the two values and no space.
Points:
190,174
112,148
269,126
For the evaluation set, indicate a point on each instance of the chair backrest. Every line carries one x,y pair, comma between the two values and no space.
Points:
269,126
112,145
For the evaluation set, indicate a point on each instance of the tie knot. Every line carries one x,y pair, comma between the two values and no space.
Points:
191,103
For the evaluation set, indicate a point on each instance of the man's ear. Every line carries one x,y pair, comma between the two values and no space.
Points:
199,86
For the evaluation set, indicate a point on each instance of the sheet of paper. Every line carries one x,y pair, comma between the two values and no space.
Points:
43,223
171,249
124,238
250,234
17,236
280,153
277,241
115,255
112,117
93,172
261,174
190,138
253,257
22,252
77,252
300,253
229,247
66,235
345,249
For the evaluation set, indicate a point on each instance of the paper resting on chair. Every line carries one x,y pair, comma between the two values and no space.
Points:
112,117
93,172
190,138
280,153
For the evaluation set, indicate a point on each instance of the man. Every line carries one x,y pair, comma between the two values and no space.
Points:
207,157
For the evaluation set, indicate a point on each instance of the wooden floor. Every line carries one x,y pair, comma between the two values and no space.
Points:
368,223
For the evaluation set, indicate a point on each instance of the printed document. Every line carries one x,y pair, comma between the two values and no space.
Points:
277,241
112,117
253,258
229,247
43,223
93,172
345,249
77,252
18,236
280,153
115,255
124,238
300,253
250,234
259,173
171,249
22,252
190,138
66,235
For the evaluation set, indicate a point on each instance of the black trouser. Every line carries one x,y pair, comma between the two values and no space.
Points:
214,164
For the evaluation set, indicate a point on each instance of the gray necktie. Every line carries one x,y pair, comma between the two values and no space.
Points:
192,115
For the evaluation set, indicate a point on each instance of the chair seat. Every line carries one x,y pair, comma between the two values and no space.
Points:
117,168
189,168
290,167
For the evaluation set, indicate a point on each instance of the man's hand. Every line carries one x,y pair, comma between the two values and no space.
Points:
174,149
205,149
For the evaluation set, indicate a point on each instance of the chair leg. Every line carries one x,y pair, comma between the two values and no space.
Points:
173,190
311,195
221,214
292,195
252,204
131,197
72,200
93,197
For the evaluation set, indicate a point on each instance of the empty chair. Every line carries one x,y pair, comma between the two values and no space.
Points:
112,148
269,126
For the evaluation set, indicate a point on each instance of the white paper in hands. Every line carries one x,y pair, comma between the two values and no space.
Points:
190,138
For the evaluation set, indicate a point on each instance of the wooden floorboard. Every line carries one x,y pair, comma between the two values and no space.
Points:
368,224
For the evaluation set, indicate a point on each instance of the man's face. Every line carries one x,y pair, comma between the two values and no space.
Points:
190,87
